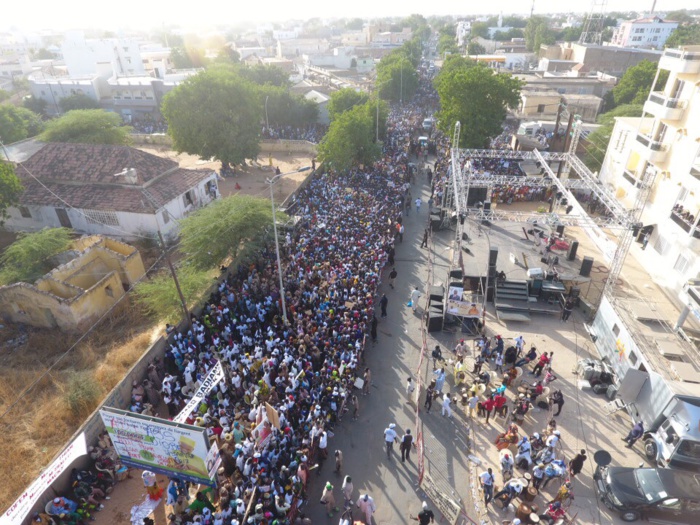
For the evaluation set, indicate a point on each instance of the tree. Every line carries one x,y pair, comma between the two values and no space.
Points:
18,124
79,101
228,227
10,189
43,54
37,105
187,57
159,297
396,77
87,126
503,36
355,24
596,144
214,114
684,36
4,95
681,16
537,32
475,48
29,257
478,99
570,34
344,100
479,29
634,86
350,140
447,44
266,75
285,109
227,55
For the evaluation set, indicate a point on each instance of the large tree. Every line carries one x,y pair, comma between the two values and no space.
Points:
474,48
87,126
215,114
18,124
396,77
343,100
10,189
29,257
160,299
684,36
79,101
350,140
635,84
266,75
286,109
478,98
536,33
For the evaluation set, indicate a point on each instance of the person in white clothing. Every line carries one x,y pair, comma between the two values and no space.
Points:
366,504
418,203
415,295
390,437
446,408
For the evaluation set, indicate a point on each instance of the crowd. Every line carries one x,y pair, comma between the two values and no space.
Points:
313,133
148,125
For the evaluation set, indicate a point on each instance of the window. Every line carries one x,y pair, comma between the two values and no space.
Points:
621,140
633,358
540,108
106,218
108,291
24,212
661,245
188,198
682,194
616,330
657,30
165,216
682,263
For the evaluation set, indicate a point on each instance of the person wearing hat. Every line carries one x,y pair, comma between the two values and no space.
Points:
510,490
506,465
425,516
328,499
390,437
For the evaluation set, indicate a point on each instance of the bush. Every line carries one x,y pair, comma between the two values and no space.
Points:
82,395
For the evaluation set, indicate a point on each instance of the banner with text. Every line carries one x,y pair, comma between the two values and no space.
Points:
215,375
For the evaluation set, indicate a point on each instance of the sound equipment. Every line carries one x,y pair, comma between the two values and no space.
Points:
493,256
437,293
573,248
560,230
586,266
487,206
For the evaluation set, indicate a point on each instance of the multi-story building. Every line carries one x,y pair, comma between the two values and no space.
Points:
464,29
650,32
611,60
82,56
663,146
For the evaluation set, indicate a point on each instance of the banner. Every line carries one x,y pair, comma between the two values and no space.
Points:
21,507
460,303
215,375
213,459
159,445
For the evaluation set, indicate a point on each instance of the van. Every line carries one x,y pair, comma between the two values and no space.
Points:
656,495
428,124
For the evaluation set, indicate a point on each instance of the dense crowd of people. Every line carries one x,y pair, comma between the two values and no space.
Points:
313,132
148,125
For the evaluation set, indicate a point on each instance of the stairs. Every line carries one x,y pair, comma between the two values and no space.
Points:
512,301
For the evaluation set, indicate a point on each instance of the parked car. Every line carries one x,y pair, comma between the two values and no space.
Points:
657,495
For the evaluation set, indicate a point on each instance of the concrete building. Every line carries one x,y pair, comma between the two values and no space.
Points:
569,85
664,142
650,32
610,60
100,189
543,104
83,56
463,31
75,294
336,58
321,100
302,46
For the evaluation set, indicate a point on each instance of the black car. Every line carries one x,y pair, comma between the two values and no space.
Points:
657,495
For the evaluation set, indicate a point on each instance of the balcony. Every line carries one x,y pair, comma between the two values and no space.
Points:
664,107
651,150
681,60
631,177
685,225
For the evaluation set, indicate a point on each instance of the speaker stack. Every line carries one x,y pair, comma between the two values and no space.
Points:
491,282
436,308
571,254
586,266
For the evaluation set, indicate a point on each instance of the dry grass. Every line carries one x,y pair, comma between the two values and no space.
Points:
41,423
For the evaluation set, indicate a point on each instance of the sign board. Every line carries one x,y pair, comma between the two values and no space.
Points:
213,460
215,375
272,415
159,445
460,304
21,507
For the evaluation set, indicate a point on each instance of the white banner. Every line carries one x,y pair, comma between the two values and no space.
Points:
215,375
20,508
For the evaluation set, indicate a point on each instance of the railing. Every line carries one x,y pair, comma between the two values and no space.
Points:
685,225
651,144
683,55
671,103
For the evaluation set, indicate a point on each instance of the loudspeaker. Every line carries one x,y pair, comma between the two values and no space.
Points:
493,256
487,206
433,322
586,266
571,254
560,230
437,293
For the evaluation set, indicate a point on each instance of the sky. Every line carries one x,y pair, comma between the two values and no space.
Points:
145,14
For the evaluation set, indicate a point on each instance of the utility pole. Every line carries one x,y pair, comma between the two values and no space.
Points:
177,283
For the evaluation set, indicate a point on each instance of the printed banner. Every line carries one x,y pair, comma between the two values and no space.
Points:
21,507
460,304
215,375
159,445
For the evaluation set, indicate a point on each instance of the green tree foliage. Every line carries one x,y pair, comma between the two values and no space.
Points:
684,36
227,55
215,114
265,75
514,21
43,54
226,228
4,95
596,144
634,86
159,298
29,257
570,34
285,109
480,29
18,124
537,32
82,395
396,77
681,16
344,100
447,44
478,99
505,36
419,26
475,48
451,64
350,139
10,189
355,24
79,101
87,126
37,105
187,57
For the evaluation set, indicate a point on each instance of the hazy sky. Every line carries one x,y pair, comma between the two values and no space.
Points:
112,14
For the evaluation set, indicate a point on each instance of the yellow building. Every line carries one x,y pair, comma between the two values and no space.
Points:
75,294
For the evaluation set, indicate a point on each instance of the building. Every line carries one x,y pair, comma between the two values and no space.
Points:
665,144
82,56
100,189
611,60
75,294
321,100
464,29
650,32
569,85
543,104
302,46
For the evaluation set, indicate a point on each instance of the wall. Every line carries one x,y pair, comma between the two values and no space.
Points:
287,146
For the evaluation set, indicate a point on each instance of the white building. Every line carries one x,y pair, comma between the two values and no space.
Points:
664,142
100,189
464,29
650,32
82,56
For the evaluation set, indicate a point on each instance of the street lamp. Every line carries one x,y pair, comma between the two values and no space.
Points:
271,182
267,122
